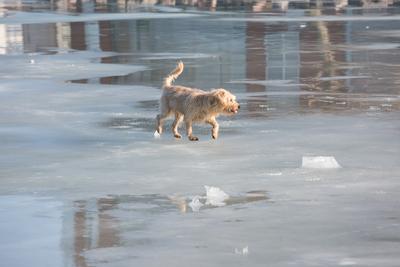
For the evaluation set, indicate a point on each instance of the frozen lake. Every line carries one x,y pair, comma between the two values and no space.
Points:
306,174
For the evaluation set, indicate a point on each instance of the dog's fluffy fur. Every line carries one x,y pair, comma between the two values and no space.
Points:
193,105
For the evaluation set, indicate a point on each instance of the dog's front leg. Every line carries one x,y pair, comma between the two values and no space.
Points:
215,127
189,131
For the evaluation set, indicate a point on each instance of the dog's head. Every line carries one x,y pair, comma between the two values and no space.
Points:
224,101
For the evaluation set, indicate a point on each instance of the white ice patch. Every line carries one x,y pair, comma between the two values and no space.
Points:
244,251
320,163
274,173
347,262
215,196
156,135
196,204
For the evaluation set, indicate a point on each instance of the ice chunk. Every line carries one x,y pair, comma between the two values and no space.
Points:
274,173
156,135
320,163
347,262
215,196
243,251
195,204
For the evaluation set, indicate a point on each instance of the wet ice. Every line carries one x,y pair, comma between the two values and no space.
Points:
80,164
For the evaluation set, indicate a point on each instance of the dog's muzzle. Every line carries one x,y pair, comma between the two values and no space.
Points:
234,109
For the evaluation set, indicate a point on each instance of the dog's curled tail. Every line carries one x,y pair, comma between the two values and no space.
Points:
173,75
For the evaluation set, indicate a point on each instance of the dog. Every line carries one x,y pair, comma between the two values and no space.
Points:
193,105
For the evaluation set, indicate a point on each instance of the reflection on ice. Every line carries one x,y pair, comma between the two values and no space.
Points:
97,224
215,197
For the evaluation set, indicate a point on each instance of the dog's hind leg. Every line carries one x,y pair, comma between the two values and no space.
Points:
175,124
165,112
160,120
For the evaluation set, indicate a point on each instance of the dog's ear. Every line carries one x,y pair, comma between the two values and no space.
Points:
220,93
217,97
213,100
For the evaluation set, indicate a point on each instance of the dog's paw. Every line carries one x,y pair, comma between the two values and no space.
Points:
178,136
214,136
193,138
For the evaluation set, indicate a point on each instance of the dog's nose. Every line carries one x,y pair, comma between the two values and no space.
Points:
238,106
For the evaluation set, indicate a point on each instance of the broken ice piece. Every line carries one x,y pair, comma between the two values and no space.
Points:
156,135
243,251
215,196
320,163
195,204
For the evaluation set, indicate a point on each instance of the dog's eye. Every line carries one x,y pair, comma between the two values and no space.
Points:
231,100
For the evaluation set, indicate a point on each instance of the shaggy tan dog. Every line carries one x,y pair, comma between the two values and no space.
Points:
193,105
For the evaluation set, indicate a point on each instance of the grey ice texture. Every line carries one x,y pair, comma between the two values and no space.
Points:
83,181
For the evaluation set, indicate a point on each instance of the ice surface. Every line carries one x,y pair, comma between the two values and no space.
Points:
18,17
280,83
163,56
341,78
320,162
375,46
313,18
62,66
33,217
83,182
